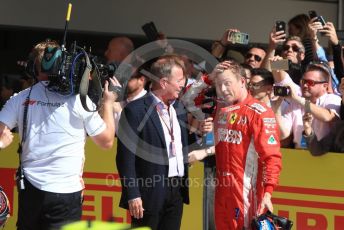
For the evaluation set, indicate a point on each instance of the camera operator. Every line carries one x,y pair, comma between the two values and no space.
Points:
53,132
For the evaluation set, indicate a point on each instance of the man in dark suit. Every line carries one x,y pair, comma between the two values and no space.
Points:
152,150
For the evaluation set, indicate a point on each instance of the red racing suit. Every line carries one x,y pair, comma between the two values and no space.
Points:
248,161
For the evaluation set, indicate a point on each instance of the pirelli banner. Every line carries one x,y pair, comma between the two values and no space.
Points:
311,190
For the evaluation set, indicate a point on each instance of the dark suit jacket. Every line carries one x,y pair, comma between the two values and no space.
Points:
142,160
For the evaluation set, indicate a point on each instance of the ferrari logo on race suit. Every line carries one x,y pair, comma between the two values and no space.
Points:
233,118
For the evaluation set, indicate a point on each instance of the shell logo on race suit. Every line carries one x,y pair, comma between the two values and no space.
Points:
230,136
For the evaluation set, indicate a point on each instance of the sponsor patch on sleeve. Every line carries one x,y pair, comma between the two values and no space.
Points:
258,107
272,140
269,123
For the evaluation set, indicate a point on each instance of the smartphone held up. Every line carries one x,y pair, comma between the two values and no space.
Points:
238,37
280,64
280,26
282,91
313,14
150,31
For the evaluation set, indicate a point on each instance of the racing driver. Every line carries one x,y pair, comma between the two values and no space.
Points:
248,157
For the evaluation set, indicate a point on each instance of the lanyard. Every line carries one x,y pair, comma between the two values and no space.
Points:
166,118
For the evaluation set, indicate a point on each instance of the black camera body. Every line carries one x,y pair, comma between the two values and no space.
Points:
122,71
77,72
281,91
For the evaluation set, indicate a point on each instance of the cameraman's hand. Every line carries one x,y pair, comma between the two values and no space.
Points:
6,137
110,96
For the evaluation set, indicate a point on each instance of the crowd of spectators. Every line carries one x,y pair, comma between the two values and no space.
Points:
299,44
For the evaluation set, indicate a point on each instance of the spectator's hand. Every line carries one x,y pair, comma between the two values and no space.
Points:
136,208
224,39
196,155
294,94
307,123
279,74
276,102
207,125
6,137
314,26
330,31
265,204
275,58
276,37
163,43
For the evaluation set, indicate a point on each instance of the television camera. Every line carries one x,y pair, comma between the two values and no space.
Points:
75,71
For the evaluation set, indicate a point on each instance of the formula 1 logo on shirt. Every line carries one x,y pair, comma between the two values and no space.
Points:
42,103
